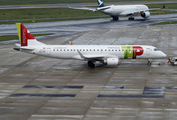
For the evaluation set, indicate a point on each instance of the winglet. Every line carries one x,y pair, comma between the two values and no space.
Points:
70,42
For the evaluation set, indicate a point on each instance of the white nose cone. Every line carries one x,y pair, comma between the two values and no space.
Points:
163,54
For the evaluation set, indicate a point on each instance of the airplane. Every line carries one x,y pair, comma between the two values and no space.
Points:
121,10
106,54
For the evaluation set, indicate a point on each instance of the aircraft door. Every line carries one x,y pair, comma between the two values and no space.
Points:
148,51
48,51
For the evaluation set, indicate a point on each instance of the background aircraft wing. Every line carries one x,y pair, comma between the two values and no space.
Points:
82,8
157,8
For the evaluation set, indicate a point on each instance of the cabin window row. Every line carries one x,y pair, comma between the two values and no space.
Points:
93,50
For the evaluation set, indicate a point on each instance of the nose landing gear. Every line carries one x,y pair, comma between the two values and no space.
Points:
149,63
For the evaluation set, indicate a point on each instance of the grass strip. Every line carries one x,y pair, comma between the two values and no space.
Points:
165,23
62,14
12,37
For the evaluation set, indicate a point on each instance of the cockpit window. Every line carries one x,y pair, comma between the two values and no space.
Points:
155,49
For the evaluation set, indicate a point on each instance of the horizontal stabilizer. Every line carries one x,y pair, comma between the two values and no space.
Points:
22,48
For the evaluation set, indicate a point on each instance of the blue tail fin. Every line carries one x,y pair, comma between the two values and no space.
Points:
100,3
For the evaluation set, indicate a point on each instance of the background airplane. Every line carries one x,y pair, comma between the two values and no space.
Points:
106,54
122,10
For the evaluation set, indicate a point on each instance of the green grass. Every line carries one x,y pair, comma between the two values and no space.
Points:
59,14
165,23
44,13
35,2
12,37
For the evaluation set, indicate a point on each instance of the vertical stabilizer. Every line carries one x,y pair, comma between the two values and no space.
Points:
25,37
100,3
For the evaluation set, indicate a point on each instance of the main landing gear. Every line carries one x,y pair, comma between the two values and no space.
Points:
91,64
131,18
149,63
115,18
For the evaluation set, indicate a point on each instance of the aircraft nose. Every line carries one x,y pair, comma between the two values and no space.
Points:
163,54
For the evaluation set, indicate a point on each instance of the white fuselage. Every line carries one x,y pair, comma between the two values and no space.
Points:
96,51
122,10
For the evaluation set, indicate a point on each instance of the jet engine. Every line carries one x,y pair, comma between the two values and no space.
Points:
111,61
145,14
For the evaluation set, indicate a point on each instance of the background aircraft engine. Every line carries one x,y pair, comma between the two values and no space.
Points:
111,61
145,14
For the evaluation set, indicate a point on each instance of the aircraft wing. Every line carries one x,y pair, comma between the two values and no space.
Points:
129,12
95,57
82,8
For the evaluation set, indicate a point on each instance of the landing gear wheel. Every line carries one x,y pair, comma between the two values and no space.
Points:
149,63
91,64
131,18
115,18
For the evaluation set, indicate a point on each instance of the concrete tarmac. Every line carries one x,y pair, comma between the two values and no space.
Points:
34,87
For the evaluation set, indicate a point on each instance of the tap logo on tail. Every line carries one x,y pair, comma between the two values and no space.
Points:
24,34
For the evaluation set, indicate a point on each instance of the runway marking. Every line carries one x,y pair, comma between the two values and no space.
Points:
55,87
42,95
157,30
149,92
113,87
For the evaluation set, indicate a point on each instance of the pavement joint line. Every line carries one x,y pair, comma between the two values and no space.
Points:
15,67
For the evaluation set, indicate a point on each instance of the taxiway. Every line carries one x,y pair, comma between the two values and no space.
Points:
34,87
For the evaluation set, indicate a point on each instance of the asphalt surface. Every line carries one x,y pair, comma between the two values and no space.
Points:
72,27
34,87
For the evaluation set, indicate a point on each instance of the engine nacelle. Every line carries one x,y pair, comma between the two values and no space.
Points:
111,61
145,14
